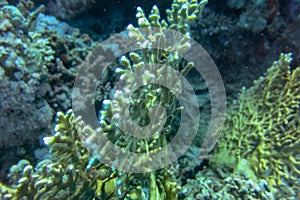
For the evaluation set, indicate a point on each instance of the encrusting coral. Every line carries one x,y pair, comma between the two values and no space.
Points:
261,135
208,185
24,56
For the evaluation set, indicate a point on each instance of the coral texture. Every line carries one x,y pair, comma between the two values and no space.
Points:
207,185
113,116
23,68
245,37
38,60
261,135
71,171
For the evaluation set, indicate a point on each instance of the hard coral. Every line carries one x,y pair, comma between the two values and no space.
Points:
23,59
261,135
208,185
70,174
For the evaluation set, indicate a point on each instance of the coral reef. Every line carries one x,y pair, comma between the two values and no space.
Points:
179,16
208,185
39,56
72,173
211,23
38,61
261,135
257,156
227,31
70,53
23,64
68,9
99,19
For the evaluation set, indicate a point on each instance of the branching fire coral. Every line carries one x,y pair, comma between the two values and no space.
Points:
261,135
72,172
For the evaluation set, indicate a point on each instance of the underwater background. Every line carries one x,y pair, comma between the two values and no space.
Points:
49,152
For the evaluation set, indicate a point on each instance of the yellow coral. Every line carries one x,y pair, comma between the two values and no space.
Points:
262,134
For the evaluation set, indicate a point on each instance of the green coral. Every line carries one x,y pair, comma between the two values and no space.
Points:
21,48
261,135
139,68
72,172
149,34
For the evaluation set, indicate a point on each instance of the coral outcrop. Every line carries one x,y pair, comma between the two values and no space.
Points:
72,172
209,185
24,55
260,143
261,135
